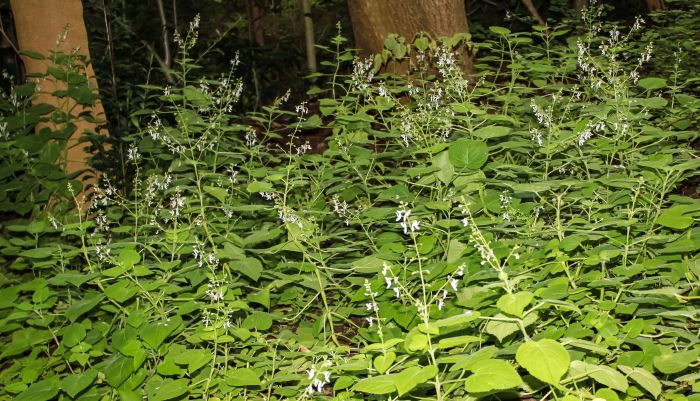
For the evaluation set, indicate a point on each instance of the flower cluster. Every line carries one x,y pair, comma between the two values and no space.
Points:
406,223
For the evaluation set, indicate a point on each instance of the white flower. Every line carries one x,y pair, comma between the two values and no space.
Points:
453,283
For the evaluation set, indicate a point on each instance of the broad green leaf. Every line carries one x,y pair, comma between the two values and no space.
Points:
41,391
675,218
644,378
455,250
128,257
242,377
650,83
73,334
193,358
457,320
446,169
493,374
409,378
466,153
674,362
546,360
603,374
82,306
257,320
376,385
121,291
77,382
250,267
492,131
416,341
499,30
117,369
471,361
219,193
153,334
260,186
168,389
451,342
38,253
515,304
383,362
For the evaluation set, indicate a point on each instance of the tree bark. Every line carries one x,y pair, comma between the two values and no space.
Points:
38,24
374,20
309,36
533,11
580,4
655,5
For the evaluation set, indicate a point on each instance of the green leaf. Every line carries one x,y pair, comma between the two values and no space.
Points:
38,253
651,83
73,334
250,267
409,378
383,362
41,391
455,250
153,334
515,304
260,321
675,218
491,132
446,170
121,291
168,389
117,369
376,385
674,362
260,186
219,193
601,373
82,306
193,358
458,341
466,153
77,382
493,374
242,377
499,30
546,360
128,257
644,378
416,341
457,320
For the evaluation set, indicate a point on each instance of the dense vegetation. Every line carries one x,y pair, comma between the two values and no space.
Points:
530,230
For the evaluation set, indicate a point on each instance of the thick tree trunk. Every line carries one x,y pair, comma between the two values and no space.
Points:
655,5
374,20
38,24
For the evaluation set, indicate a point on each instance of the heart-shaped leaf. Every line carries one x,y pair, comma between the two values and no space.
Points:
546,359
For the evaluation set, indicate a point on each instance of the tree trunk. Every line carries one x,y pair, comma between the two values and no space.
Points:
655,5
580,4
374,20
533,11
38,24
309,36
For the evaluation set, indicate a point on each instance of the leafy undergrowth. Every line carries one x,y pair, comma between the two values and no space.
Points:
510,237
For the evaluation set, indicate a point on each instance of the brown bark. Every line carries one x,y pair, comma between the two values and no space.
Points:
309,36
374,20
533,11
655,5
256,21
580,4
38,24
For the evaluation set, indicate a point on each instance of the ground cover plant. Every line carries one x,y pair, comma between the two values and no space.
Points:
514,234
